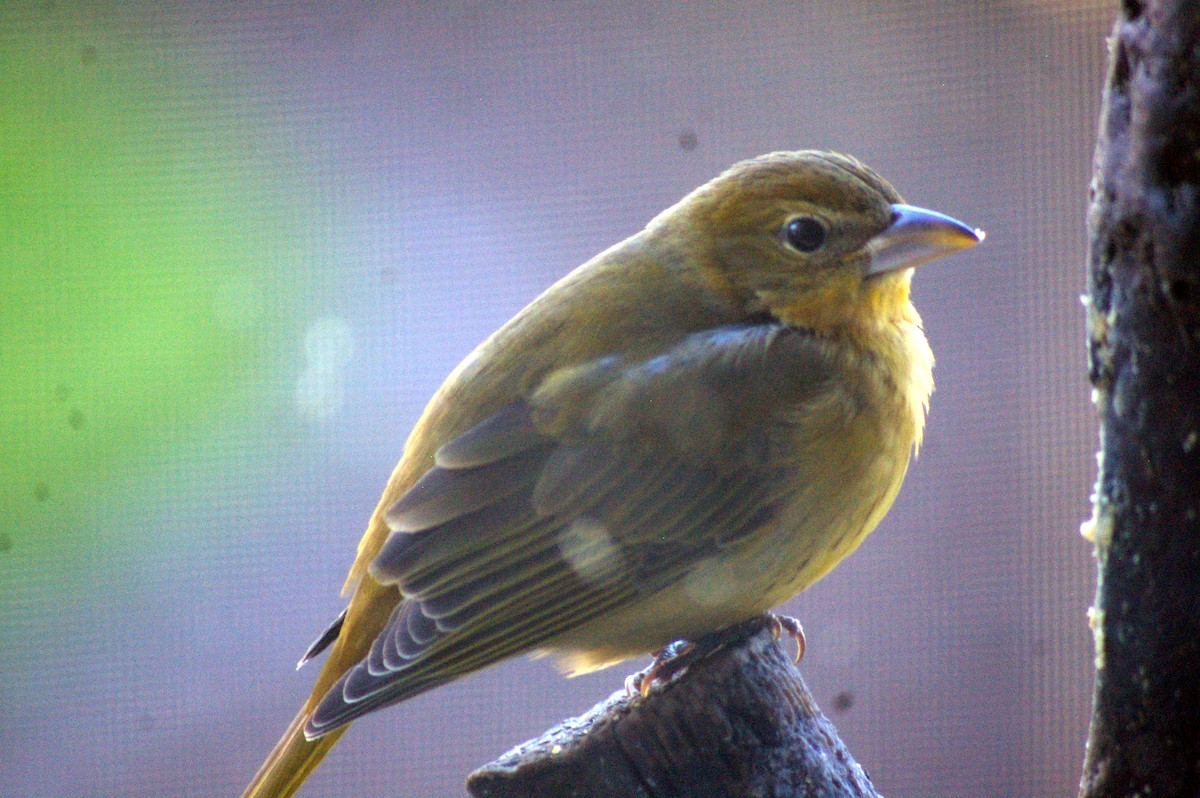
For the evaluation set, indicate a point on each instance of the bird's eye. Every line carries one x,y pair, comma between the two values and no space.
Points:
805,233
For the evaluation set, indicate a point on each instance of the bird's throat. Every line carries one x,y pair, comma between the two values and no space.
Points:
851,307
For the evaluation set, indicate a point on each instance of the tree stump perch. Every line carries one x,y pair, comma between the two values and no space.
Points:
738,722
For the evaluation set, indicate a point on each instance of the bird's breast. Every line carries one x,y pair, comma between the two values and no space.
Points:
851,450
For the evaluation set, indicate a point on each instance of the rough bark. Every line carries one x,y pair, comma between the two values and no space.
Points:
738,722
1144,342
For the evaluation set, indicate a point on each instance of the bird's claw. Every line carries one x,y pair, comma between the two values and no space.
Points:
633,683
668,663
785,624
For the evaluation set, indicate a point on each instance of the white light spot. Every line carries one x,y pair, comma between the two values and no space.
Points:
710,586
329,342
591,551
328,349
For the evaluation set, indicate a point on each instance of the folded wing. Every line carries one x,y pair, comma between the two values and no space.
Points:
607,484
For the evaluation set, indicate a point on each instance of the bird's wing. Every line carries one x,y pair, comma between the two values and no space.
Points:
607,484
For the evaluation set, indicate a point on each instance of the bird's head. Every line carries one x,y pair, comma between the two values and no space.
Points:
817,239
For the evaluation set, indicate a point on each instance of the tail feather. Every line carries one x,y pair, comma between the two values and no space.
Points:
294,757
291,761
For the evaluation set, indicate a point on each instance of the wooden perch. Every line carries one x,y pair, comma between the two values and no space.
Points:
739,722
1144,345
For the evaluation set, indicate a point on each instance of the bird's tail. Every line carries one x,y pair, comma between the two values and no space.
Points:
291,761
294,758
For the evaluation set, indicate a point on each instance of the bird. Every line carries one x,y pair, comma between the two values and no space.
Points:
685,431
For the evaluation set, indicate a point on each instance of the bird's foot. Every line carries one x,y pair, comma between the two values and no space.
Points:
786,624
667,664
675,659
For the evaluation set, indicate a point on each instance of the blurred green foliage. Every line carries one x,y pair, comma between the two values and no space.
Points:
138,238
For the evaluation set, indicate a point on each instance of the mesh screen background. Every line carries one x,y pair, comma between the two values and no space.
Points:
241,244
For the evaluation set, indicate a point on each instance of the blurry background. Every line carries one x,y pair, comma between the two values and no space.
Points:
241,244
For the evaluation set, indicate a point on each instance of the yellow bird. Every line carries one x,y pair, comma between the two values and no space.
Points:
687,430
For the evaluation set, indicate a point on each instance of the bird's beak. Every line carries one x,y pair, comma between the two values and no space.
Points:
917,236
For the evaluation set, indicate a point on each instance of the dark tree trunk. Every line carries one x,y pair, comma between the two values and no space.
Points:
738,722
1144,345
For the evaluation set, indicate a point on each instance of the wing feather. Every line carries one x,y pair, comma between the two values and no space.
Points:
509,431
443,494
